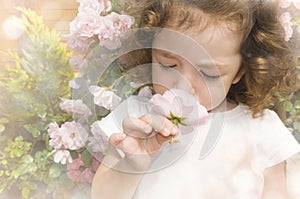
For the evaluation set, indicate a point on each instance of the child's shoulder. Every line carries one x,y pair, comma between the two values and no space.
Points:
264,115
267,121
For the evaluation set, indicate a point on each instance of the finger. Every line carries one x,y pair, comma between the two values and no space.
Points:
127,144
116,139
160,139
136,127
161,125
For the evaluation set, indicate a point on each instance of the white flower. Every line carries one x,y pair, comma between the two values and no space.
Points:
62,156
104,97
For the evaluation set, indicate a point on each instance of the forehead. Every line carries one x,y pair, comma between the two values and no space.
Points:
213,42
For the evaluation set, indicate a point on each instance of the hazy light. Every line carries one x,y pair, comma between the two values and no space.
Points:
13,27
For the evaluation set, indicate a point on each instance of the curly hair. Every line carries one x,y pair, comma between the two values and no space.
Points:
268,62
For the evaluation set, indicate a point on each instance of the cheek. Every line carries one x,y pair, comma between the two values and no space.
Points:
163,80
212,94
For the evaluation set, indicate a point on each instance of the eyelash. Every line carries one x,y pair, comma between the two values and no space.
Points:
167,67
203,74
209,77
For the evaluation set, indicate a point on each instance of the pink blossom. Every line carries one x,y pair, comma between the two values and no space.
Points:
71,135
78,63
181,106
114,27
107,5
104,97
78,43
145,92
99,142
77,108
86,23
73,84
54,134
95,5
76,174
135,84
287,3
285,21
62,156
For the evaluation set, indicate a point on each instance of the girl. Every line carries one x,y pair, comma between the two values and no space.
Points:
238,68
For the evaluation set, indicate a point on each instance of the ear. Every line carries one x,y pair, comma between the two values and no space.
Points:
239,75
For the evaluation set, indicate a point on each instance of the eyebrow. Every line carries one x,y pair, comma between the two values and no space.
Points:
211,65
165,53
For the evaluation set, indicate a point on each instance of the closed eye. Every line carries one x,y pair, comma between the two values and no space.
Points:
166,67
209,77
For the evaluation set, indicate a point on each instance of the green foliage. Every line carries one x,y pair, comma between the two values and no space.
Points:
292,109
31,88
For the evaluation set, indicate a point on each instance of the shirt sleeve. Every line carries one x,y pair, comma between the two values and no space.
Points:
134,106
276,144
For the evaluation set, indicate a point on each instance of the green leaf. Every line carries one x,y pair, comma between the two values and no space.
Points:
54,171
4,162
35,132
86,158
297,104
74,154
4,121
296,125
2,128
25,192
288,106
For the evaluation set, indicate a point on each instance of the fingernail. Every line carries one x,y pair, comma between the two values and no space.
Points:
148,129
175,130
167,131
122,136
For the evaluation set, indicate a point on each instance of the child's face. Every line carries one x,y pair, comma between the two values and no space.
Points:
205,63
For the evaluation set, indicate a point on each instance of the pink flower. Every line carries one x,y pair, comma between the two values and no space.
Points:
114,27
145,92
287,3
285,21
79,63
62,156
54,134
73,84
180,107
86,23
78,173
77,108
79,44
135,84
104,97
99,142
95,5
71,135
107,5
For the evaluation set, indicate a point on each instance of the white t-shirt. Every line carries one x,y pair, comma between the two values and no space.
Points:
234,167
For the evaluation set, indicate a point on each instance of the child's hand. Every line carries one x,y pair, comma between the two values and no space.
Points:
142,138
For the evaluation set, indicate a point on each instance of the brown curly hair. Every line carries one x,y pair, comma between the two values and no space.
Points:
268,62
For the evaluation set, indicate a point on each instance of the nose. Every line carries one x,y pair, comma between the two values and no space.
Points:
187,79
